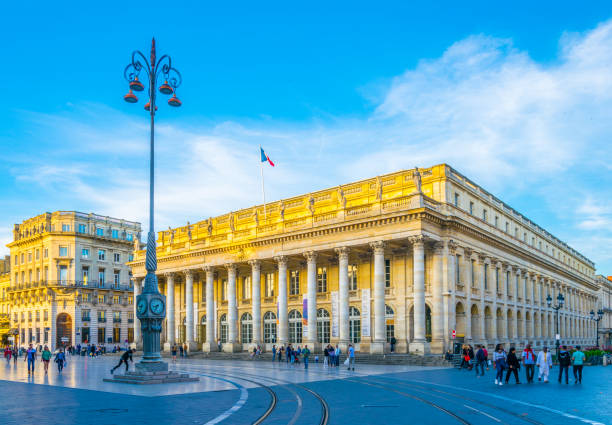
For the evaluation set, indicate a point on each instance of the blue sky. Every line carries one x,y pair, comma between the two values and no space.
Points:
517,97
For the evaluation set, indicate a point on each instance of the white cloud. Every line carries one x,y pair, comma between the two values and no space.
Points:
518,127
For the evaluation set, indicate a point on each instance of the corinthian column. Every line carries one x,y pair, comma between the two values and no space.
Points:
171,335
343,313
256,295
283,324
419,345
210,345
189,310
311,258
377,346
437,320
232,344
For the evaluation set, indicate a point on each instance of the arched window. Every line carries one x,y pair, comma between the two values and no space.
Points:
295,327
223,328
269,327
354,325
246,328
323,326
389,320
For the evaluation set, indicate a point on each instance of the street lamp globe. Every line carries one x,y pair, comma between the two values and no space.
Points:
549,300
600,313
561,299
592,313
136,85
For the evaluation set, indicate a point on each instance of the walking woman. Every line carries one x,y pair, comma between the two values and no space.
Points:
45,358
513,365
174,353
499,360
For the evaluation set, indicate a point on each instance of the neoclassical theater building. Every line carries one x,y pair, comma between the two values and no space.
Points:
425,256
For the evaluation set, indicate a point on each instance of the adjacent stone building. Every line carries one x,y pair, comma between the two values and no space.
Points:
69,282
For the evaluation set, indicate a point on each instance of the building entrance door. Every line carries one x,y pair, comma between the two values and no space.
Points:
63,325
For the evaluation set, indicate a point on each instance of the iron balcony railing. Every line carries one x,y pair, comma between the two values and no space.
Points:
93,284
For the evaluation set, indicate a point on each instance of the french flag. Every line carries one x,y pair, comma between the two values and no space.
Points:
265,157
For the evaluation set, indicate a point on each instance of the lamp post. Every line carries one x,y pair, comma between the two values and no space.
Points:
151,304
560,302
600,314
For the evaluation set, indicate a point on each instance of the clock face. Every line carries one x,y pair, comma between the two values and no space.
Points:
141,306
157,306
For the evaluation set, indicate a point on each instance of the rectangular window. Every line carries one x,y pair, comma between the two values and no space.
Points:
82,228
100,231
486,276
85,275
65,227
101,313
473,272
224,290
117,278
387,273
63,251
471,208
116,317
46,253
30,256
496,221
516,286
101,255
456,199
129,237
352,277
130,257
38,254
85,317
484,215
294,282
117,257
457,269
507,283
45,315
85,253
22,258
115,234
269,284
116,299
37,316
496,279
246,288
130,299
63,274
507,227
101,277
322,279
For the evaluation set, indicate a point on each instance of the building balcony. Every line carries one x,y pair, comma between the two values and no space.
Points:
101,319
115,320
86,319
130,320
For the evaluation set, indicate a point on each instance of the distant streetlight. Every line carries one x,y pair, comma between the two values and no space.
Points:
560,302
600,314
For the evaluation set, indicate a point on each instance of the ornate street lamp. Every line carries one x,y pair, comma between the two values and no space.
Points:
600,314
151,304
560,302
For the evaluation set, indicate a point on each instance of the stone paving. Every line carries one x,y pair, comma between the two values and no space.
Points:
239,392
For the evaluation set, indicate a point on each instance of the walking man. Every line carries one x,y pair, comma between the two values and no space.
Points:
351,355
544,363
124,359
529,361
273,353
30,357
60,359
564,362
481,361
578,361
305,353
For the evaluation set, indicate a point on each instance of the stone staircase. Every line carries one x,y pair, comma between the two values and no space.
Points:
148,378
379,359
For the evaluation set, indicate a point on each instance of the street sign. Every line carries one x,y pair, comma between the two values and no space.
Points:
558,337
11,338
64,339
454,333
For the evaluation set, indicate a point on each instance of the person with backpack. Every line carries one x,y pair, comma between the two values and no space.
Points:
513,365
60,359
393,341
499,360
528,358
306,354
564,363
544,363
481,361
45,358
578,361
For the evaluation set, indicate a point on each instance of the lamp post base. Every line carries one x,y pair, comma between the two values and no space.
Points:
143,367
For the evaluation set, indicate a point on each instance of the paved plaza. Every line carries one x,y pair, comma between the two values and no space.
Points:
245,392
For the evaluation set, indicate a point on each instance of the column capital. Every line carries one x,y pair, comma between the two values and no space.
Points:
467,251
482,257
343,252
452,247
169,275
378,247
188,274
256,264
417,240
208,269
231,267
281,260
438,247
311,256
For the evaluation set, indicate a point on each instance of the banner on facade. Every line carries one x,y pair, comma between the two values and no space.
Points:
196,320
305,315
365,312
334,307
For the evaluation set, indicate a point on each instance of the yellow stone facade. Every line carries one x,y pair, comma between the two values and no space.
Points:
69,283
412,255
5,282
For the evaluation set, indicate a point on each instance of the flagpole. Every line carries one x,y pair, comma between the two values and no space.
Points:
263,191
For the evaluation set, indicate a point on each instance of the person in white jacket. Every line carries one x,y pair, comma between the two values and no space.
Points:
544,363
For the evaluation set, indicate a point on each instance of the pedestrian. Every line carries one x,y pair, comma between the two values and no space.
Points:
337,355
481,361
528,358
60,359
173,351
393,341
281,350
7,354
181,350
465,357
351,356
45,358
30,358
544,363
578,362
564,363
326,356
219,345
124,359
513,365
306,354
15,355
273,353
499,359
